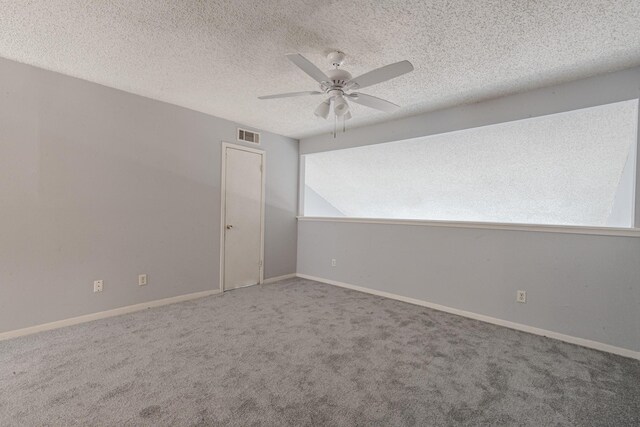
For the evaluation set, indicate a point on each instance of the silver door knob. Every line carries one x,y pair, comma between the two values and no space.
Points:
229,227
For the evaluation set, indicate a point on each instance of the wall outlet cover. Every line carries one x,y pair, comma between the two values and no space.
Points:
97,285
142,279
521,296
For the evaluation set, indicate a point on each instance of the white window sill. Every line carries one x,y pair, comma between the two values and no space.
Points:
567,229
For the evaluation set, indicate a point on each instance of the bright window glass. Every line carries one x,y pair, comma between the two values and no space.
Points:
571,168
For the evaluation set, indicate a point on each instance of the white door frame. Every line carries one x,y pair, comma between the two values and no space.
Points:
223,168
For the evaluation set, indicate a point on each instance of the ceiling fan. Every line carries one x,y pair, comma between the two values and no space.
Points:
339,85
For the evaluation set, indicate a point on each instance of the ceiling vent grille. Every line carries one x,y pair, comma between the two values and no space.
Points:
248,136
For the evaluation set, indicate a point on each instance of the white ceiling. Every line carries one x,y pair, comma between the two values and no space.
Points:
565,168
218,56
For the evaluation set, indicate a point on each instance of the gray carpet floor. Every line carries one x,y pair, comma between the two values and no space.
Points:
304,353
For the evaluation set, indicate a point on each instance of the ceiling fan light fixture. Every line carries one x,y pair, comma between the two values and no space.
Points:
337,85
323,109
340,106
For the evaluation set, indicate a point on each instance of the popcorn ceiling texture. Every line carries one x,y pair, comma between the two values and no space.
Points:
218,56
562,169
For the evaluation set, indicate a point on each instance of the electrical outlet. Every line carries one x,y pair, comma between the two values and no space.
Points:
521,296
97,285
142,279
333,262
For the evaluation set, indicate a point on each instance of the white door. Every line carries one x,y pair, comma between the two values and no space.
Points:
243,195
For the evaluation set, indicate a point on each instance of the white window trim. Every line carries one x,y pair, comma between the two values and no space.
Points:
566,229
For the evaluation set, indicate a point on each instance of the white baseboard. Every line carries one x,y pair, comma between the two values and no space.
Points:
157,303
103,314
118,311
500,322
277,279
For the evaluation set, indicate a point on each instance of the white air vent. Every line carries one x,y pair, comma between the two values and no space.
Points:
248,136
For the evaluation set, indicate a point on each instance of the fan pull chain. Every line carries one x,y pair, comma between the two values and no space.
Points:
335,125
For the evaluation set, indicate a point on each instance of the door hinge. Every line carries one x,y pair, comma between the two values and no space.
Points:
260,263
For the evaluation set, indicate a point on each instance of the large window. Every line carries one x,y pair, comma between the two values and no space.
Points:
571,168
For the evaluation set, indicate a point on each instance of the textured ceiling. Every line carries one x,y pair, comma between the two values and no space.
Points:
218,56
562,168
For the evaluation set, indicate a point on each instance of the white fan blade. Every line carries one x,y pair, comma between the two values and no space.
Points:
381,74
373,102
308,67
290,94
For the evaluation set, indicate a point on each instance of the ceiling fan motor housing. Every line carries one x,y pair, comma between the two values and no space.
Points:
338,78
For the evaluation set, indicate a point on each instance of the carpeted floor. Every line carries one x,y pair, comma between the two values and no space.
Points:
304,353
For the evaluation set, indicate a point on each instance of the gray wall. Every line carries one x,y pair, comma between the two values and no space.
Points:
581,285
316,205
586,286
96,183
